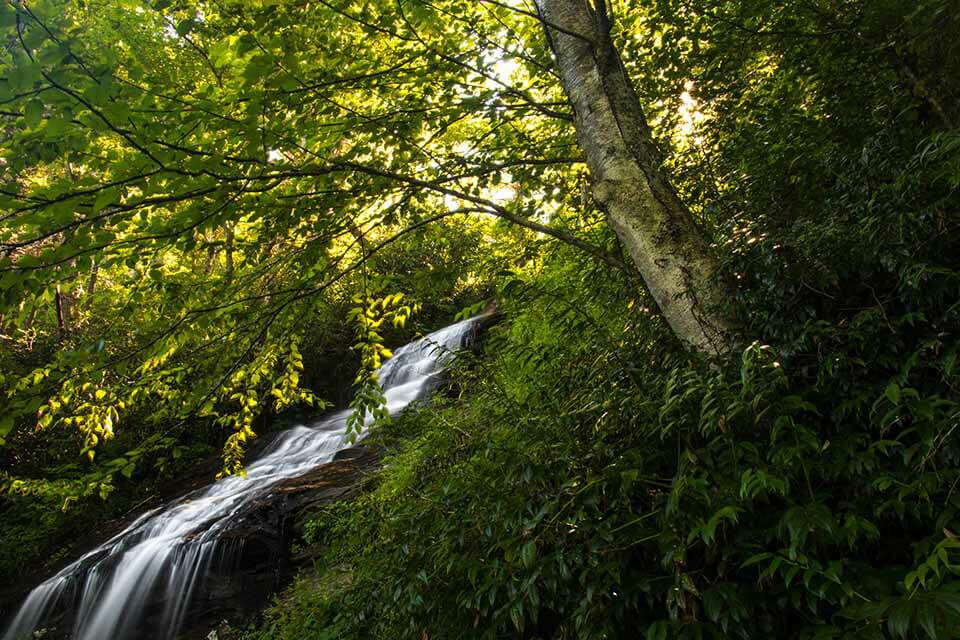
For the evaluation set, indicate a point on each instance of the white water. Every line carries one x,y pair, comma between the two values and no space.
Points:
170,549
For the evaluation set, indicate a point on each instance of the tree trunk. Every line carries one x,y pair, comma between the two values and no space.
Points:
30,316
61,313
228,245
92,281
655,227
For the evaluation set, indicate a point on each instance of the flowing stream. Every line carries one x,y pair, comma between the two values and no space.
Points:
170,550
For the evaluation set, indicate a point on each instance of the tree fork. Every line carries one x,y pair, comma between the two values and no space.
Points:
654,225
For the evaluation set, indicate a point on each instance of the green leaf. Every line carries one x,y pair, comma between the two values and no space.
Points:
33,113
185,26
760,557
23,76
658,630
104,198
898,621
55,128
8,15
926,616
529,553
893,393
6,424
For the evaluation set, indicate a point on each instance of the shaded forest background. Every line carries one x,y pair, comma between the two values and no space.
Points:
195,196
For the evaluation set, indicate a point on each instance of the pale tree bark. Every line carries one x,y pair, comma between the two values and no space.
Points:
92,280
211,254
654,225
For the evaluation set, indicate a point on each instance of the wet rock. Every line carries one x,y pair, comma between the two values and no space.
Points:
265,533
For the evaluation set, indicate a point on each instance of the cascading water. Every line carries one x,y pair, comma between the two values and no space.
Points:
164,554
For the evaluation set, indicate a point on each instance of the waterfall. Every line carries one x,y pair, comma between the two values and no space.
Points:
164,554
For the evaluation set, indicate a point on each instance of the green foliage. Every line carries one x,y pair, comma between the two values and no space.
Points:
577,488
185,193
370,316
245,388
195,195
50,519
590,482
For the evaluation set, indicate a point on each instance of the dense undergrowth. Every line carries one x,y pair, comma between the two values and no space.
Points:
586,480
